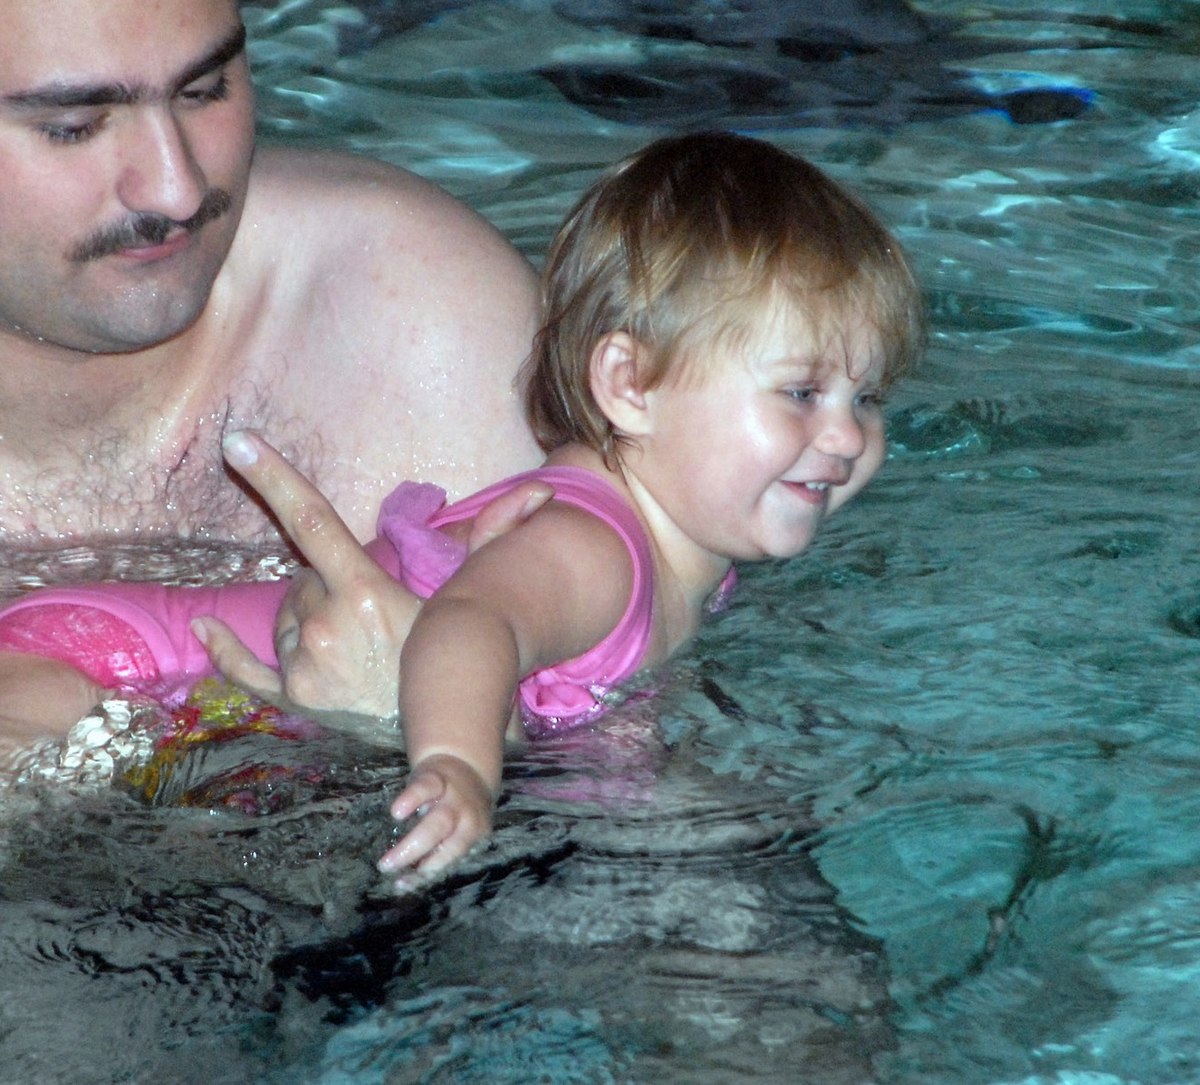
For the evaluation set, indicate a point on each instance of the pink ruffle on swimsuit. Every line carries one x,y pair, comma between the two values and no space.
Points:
421,557
138,636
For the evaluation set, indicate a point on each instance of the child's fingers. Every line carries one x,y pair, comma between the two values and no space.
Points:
454,808
235,661
418,848
445,833
424,789
419,798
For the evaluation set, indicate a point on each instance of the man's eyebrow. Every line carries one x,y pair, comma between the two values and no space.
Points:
70,96
231,47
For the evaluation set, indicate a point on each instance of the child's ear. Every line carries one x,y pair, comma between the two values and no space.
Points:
616,365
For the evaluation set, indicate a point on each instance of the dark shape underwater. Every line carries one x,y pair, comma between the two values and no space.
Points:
874,63
770,64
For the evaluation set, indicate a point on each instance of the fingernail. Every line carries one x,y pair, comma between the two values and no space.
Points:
198,630
239,449
533,502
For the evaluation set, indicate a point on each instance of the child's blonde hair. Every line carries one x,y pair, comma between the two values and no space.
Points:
692,236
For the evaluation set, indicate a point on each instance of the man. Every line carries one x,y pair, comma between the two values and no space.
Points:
161,285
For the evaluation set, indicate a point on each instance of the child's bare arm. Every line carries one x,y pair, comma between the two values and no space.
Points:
547,591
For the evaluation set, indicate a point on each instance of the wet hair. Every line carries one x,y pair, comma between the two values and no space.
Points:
689,240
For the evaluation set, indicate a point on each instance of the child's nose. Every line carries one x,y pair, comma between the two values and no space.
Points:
842,434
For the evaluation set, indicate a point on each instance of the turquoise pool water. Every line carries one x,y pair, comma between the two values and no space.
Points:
922,807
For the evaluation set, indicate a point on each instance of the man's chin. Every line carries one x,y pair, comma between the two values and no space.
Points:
127,305
140,319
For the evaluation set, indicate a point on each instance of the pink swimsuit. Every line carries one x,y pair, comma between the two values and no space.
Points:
137,635
566,694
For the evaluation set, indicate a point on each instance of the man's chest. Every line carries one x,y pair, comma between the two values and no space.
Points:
184,521
110,489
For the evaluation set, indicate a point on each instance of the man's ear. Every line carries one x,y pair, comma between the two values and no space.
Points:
617,363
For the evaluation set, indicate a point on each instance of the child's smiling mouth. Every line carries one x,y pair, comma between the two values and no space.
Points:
815,492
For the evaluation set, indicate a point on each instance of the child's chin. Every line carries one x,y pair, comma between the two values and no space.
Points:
784,551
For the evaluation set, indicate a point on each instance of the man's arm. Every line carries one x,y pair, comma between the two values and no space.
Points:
41,698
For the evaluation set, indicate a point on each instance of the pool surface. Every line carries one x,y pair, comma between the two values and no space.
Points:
921,807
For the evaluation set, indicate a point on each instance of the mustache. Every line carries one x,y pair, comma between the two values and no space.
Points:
149,228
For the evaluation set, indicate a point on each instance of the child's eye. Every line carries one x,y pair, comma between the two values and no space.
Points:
805,394
872,397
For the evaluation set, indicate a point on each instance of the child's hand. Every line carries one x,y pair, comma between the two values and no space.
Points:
454,805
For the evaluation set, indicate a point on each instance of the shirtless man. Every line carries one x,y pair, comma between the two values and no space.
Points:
161,284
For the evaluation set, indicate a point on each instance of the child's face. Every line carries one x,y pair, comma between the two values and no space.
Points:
748,460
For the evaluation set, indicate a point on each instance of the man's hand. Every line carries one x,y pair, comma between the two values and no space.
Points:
340,630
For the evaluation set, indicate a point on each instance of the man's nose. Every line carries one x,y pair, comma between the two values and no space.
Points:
159,174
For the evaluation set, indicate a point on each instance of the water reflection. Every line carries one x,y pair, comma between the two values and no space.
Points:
672,924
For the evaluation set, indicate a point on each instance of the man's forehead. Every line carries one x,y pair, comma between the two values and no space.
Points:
138,42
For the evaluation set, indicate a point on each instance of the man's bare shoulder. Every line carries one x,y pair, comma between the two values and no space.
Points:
360,213
383,306
380,260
